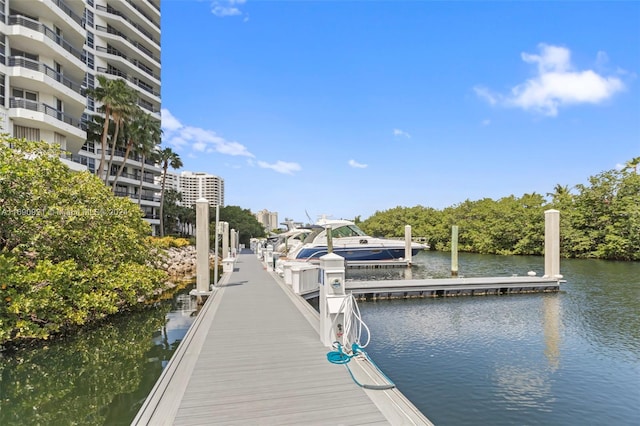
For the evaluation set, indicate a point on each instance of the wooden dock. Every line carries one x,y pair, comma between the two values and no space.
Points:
254,357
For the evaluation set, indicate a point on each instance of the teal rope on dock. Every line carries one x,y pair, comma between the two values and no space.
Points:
339,356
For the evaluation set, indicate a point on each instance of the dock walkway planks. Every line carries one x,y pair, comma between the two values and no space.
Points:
252,358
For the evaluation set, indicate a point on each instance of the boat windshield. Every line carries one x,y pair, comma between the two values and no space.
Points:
347,231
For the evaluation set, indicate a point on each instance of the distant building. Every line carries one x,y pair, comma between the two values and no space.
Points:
268,219
194,185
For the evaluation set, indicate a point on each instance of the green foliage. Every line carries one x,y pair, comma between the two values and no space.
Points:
601,220
168,242
178,220
242,220
70,251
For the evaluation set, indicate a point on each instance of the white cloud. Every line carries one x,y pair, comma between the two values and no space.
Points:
486,122
200,140
557,84
398,132
281,167
356,165
222,8
169,122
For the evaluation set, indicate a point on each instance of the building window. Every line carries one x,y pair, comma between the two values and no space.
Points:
89,80
88,18
3,47
88,146
24,94
90,39
3,101
60,140
85,161
89,59
28,133
22,54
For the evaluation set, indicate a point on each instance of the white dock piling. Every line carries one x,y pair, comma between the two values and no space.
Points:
202,245
234,243
552,244
454,251
407,244
225,239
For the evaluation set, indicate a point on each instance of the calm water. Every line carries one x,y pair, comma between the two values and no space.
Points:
556,359
571,358
99,377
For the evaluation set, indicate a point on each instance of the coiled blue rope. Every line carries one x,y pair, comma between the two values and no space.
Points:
339,356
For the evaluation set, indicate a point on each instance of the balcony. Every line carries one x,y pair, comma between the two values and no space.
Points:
134,177
145,197
25,22
131,41
137,64
135,81
69,12
143,13
116,13
18,61
46,109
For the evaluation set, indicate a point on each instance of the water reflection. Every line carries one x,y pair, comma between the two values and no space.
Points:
551,325
100,376
571,357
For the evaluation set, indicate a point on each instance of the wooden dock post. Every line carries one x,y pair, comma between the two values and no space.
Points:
454,251
202,246
552,244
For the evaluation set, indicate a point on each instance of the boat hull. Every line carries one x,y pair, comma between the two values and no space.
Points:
353,254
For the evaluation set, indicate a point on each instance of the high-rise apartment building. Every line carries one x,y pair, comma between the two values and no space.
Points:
52,50
194,185
268,219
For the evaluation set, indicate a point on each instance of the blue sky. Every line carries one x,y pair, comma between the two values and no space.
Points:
346,108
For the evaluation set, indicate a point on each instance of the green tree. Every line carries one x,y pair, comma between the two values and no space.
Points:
70,251
633,164
171,211
122,113
146,148
141,129
115,97
167,158
242,220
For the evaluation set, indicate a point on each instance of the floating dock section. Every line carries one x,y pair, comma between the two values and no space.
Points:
396,289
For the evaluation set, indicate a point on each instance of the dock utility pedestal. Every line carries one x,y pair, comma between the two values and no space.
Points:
332,296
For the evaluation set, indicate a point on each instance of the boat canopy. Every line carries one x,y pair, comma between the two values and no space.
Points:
342,231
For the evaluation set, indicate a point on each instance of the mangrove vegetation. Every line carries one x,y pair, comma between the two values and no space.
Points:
600,219
71,252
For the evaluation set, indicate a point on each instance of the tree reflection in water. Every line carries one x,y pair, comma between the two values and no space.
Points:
99,376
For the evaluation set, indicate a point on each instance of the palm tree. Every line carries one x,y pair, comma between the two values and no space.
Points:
122,113
141,127
114,95
633,164
168,158
147,151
